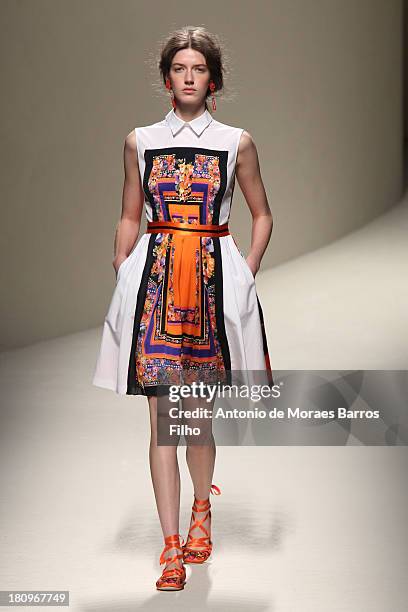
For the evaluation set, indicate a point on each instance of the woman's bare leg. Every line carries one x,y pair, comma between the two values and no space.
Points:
165,474
201,461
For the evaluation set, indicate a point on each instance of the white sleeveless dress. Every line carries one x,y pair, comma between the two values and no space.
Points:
183,303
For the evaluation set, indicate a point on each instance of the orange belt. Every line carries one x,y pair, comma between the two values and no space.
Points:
192,229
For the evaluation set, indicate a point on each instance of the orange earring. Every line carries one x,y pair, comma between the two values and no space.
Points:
168,87
212,88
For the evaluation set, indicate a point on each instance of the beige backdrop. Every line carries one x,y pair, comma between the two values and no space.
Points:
318,84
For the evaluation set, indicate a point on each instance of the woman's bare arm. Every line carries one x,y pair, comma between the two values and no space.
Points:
248,174
127,229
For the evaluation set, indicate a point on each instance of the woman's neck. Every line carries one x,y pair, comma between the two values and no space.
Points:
188,114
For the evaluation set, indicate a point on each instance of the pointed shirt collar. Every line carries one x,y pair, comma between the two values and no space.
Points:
198,124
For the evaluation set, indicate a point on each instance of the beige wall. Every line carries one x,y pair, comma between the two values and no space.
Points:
318,83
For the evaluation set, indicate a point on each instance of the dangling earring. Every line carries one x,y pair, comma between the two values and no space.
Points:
212,88
168,87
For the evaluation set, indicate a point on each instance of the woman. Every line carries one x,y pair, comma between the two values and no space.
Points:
185,304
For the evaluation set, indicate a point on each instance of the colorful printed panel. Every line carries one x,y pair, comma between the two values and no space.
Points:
179,333
185,184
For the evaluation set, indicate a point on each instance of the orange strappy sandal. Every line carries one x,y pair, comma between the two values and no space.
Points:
172,579
197,550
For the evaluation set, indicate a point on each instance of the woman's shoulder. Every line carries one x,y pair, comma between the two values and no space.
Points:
238,137
144,128
226,126
151,126
142,132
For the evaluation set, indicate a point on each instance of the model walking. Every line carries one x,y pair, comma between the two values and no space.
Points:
185,301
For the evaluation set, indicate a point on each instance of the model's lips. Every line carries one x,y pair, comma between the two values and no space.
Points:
189,89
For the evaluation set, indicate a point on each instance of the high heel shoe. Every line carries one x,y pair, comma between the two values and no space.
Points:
174,578
197,550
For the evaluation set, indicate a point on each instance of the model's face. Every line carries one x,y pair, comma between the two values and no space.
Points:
189,76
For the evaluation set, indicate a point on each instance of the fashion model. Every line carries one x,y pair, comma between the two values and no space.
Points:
185,300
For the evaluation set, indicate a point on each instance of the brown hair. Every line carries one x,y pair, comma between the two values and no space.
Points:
198,38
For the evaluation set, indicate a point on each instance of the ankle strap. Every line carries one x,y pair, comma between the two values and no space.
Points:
204,504
172,541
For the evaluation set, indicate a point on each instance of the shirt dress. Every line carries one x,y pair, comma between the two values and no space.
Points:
185,305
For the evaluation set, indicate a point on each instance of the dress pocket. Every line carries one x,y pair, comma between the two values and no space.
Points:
121,268
247,266
249,269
